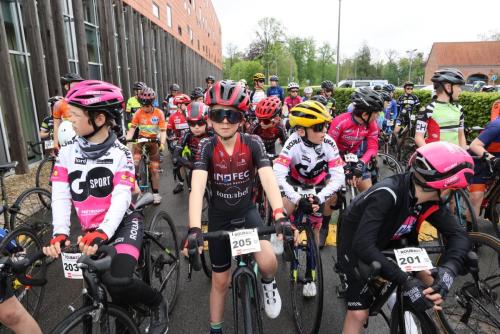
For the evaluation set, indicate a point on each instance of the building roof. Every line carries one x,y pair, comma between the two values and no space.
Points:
466,53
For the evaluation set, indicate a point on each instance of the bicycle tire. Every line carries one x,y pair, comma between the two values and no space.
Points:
143,176
252,323
206,264
33,209
44,172
465,206
163,262
489,275
30,297
301,313
76,321
493,209
386,165
405,150
423,322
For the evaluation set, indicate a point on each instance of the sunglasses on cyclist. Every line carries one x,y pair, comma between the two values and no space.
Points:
409,88
200,122
232,116
294,91
145,102
266,121
261,80
319,127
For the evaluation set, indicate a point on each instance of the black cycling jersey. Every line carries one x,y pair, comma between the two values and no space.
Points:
407,105
231,177
387,211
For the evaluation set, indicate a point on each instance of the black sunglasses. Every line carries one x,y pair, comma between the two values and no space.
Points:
145,102
409,88
319,127
232,116
261,80
199,122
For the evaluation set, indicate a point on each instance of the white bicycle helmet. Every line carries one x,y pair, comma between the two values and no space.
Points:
293,85
65,133
308,90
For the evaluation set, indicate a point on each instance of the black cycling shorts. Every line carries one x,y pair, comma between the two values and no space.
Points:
219,250
358,296
128,236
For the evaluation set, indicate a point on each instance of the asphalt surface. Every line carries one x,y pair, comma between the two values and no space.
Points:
191,313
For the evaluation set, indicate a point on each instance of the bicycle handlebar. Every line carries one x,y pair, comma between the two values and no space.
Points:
18,268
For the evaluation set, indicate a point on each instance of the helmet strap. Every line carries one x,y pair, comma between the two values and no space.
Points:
450,93
96,129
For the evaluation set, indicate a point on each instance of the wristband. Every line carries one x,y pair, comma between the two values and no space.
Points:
277,211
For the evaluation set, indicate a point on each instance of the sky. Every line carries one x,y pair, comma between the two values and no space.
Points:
382,24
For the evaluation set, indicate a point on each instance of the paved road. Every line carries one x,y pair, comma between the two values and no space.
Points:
191,312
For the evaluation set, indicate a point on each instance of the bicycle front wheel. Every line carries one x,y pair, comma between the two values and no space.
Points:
494,212
44,172
405,150
33,209
143,176
87,320
306,284
386,165
21,243
462,209
252,322
414,322
482,300
162,257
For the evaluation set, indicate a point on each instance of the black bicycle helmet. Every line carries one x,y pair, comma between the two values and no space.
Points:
210,78
174,87
327,85
320,98
408,83
70,77
366,99
139,85
448,75
377,88
385,95
197,92
53,100
389,88
273,78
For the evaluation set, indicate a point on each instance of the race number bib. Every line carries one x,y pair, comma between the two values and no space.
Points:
181,126
413,259
413,117
351,157
49,144
390,122
244,241
70,265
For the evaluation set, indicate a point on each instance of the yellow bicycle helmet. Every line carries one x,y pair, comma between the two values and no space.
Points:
309,113
258,76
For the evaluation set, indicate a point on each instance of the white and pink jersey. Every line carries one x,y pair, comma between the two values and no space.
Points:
309,165
99,189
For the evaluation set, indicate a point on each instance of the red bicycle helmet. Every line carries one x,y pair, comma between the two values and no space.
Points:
196,111
182,99
228,93
442,165
268,107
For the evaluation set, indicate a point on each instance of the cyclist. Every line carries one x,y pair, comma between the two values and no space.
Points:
209,81
47,125
487,146
257,93
310,157
293,97
444,110
95,174
327,91
307,93
197,95
392,211
268,126
391,110
357,133
151,124
244,84
229,162
186,149
168,103
133,101
176,128
60,111
408,104
275,89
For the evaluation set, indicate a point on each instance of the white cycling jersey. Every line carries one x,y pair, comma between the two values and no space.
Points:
309,165
99,189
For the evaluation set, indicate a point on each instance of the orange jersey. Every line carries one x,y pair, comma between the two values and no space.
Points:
61,110
150,124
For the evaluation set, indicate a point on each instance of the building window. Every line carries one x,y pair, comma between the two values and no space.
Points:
169,16
179,29
190,32
92,35
69,33
156,10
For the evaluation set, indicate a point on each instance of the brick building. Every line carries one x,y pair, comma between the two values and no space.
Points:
121,41
476,60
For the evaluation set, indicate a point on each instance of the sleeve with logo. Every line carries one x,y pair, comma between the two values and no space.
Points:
123,184
335,170
372,142
205,151
281,167
422,118
259,154
61,193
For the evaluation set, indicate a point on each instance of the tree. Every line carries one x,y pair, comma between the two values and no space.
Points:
325,58
269,35
363,66
245,69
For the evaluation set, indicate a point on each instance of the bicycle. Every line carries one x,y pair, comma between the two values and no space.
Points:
44,172
383,165
406,143
305,269
144,169
32,208
23,266
244,282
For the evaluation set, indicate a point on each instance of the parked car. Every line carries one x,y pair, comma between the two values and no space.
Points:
362,83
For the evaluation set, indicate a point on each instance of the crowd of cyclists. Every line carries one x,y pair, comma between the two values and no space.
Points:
224,136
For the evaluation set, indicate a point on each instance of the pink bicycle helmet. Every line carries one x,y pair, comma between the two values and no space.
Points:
197,111
96,95
228,93
443,166
268,107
